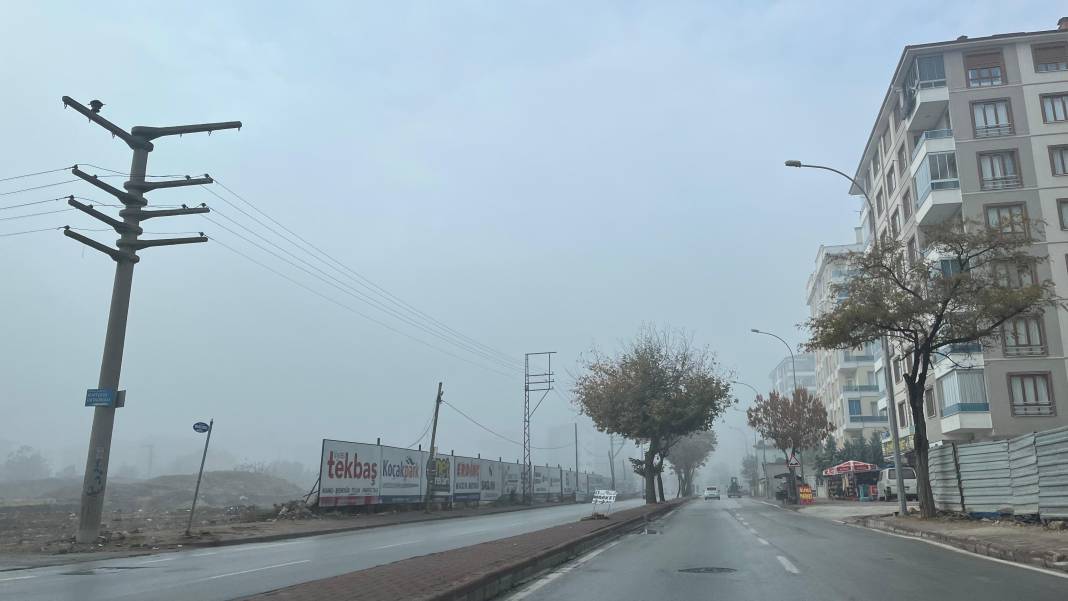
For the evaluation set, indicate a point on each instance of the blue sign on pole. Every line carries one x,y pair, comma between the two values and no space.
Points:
100,397
201,427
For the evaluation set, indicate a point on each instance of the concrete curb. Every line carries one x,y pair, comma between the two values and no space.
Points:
970,544
505,578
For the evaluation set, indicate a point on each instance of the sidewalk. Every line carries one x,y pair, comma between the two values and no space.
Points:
1029,544
477,572
843,510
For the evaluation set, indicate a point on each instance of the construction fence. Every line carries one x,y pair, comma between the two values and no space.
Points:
1024,476
356,473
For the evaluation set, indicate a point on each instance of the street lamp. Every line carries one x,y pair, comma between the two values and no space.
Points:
891,405
793,363
763,445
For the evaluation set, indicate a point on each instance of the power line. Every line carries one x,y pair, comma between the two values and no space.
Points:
7,179
45,229
426,429
69,181
341,304
502,436
355,293
36,202
34,214
363,280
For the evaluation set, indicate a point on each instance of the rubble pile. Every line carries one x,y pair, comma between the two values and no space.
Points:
294,510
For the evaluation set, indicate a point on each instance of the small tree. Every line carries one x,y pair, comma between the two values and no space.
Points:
26,463
792,423
973,278
751,471
657,390
688,455
827,456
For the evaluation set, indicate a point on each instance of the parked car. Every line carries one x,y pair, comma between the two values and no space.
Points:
711,492
888,483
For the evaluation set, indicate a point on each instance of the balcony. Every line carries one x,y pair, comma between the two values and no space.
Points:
1007,182
966,418
933,134
929,105
870,388
857,359
937,188
858,422
994,131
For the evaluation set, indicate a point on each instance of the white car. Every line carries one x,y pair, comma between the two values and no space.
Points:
888,483
711,492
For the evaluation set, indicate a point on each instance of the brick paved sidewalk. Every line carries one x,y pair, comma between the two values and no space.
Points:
1030,544
457,573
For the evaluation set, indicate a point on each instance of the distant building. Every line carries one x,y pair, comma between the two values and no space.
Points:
782,377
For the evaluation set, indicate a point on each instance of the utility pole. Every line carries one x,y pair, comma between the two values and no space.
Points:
200,474
432,463
576,447
107,396
536,382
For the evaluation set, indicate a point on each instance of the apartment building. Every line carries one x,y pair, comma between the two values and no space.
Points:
977,128
782,377
845,380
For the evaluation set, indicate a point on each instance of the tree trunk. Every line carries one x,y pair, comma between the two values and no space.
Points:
680,476
650,475
922,446
660,487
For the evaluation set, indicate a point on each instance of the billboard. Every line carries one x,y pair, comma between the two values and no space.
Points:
513,479
569,483
349,474
440,473
466,482
491,479
541,481
555,482
403,476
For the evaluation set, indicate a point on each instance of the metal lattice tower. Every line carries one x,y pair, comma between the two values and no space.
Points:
533,382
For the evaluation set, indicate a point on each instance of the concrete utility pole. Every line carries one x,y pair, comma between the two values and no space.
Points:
432,463
576,447
107,397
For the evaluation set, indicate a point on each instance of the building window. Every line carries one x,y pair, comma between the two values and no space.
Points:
1058,159
874,166
897,370
906,204
992,118
1023,336
1055,108
984,70
1013,275
886,143
1062,210
960,387
891,181
949,267
854,407
902,416
1031,394
902,165
928,402
1050,57
879,202
895,224
997,170
1008,219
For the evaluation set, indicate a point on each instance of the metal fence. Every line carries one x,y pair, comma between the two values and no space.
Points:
1025,476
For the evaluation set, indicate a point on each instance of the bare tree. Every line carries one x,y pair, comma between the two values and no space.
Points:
688,455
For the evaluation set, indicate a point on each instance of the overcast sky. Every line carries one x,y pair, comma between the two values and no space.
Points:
538,176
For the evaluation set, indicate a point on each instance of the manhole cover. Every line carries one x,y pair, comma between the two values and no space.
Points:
708,570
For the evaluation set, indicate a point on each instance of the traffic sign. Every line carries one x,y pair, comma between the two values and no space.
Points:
201,427
793,461
100,397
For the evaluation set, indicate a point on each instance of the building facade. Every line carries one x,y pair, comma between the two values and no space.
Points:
977,128
782,377
844,380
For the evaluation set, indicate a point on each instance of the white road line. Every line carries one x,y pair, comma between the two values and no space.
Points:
771,505
762,541
258,547
278,565
1025,566
408,542
171,558
204,554
17,578
526,592
753,532
789,566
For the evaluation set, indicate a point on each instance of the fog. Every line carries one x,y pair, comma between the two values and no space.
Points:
537,177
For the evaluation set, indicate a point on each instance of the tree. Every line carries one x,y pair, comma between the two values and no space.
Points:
792,423
828,455
688,455
656,391
751,471
875,447
26,463
972,280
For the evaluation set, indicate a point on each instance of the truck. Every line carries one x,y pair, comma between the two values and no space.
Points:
734,490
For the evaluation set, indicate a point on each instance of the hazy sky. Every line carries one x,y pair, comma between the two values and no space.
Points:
539,176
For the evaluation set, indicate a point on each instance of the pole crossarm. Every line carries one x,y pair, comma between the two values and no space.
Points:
174,183
142,214
139,244
124,197
132,141
117,255
145,132
119,226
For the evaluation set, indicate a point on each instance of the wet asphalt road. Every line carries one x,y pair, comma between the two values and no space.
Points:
744,550
218,574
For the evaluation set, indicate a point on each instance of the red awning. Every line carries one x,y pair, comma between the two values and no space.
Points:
850,466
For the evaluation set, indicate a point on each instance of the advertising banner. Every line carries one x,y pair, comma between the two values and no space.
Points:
541,481
513,483
467,482
569,483
403,478
555,482
440,473
491,479
349,474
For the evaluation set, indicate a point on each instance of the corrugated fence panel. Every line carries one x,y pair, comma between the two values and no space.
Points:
1051,447
985,477
1023,467
943,472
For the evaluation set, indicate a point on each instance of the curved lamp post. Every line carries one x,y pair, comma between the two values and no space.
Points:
793,362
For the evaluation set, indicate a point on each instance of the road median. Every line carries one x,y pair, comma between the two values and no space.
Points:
477,572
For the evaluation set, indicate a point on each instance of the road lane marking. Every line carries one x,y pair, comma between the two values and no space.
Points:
204,554
409,542
771,505
789,566
277,565
161,559
1025,566
17,578
762,541
526,592
753,532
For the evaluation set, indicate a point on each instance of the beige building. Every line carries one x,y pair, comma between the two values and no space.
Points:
845,380
977,128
